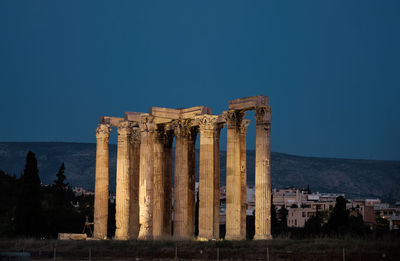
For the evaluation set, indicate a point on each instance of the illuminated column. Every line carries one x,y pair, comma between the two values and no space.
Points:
123,184
169,138
207,177
158,185
101,182
233,176
263,173
134,179
146,178
181,181
243,131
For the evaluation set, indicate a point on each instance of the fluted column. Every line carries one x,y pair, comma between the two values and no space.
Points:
207,180
216,201
243,174
181,181
146,178
101,182
158,185
122,197
134,188
233,176
192,178
169,138
263,174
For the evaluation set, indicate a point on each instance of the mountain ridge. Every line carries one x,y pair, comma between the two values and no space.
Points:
354,177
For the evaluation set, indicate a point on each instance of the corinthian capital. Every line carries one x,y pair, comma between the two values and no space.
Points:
182,127
147,124
125,128
233,118
135,137
207,122
103,131
263,115
243,126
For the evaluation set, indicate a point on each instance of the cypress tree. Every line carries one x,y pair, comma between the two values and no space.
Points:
28,213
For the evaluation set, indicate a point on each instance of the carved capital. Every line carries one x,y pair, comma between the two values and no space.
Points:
262,115
243,126
207,122
159,134
103,131
233,118
125,128
182,127
193,134
169,137
147,124
135,136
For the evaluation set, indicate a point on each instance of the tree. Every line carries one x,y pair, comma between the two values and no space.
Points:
339,219
28,212
313,226
59,182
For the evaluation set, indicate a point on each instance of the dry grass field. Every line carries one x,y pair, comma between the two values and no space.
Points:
277,249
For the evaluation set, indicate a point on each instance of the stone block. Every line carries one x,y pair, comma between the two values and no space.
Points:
71,236
248,103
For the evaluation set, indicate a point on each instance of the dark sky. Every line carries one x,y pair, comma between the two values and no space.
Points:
330,68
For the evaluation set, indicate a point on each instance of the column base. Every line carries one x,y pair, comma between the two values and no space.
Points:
234,237
262,237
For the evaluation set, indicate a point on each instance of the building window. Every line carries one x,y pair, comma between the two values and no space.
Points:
295,222
304,214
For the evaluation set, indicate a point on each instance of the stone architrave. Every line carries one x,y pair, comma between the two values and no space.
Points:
101,182
182,217
233,176
263,174
207,172
158,185
169,138
134,177
146,178
123,184
243,176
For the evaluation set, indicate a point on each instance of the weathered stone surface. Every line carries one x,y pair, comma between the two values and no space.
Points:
243,130
101,182
144,172
182,196
263,174
134,179
207,177
158,185
146,178
248,103
71,236
123,185
233,176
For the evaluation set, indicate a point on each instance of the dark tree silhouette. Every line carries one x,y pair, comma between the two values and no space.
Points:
59,182
339,220
28,213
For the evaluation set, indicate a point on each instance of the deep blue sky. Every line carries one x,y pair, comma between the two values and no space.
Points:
330,68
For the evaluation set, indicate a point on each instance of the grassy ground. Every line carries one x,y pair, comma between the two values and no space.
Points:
277,249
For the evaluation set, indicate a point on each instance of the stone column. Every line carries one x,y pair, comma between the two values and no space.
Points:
169,138
263,174
122,197
216,201
192,178
158,185
134,177
146,178
101,182
243,174
181,181
207,180
233,176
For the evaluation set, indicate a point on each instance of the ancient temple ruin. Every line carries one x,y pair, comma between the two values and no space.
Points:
144,172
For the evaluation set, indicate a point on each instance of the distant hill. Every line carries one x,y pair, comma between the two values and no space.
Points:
355,178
